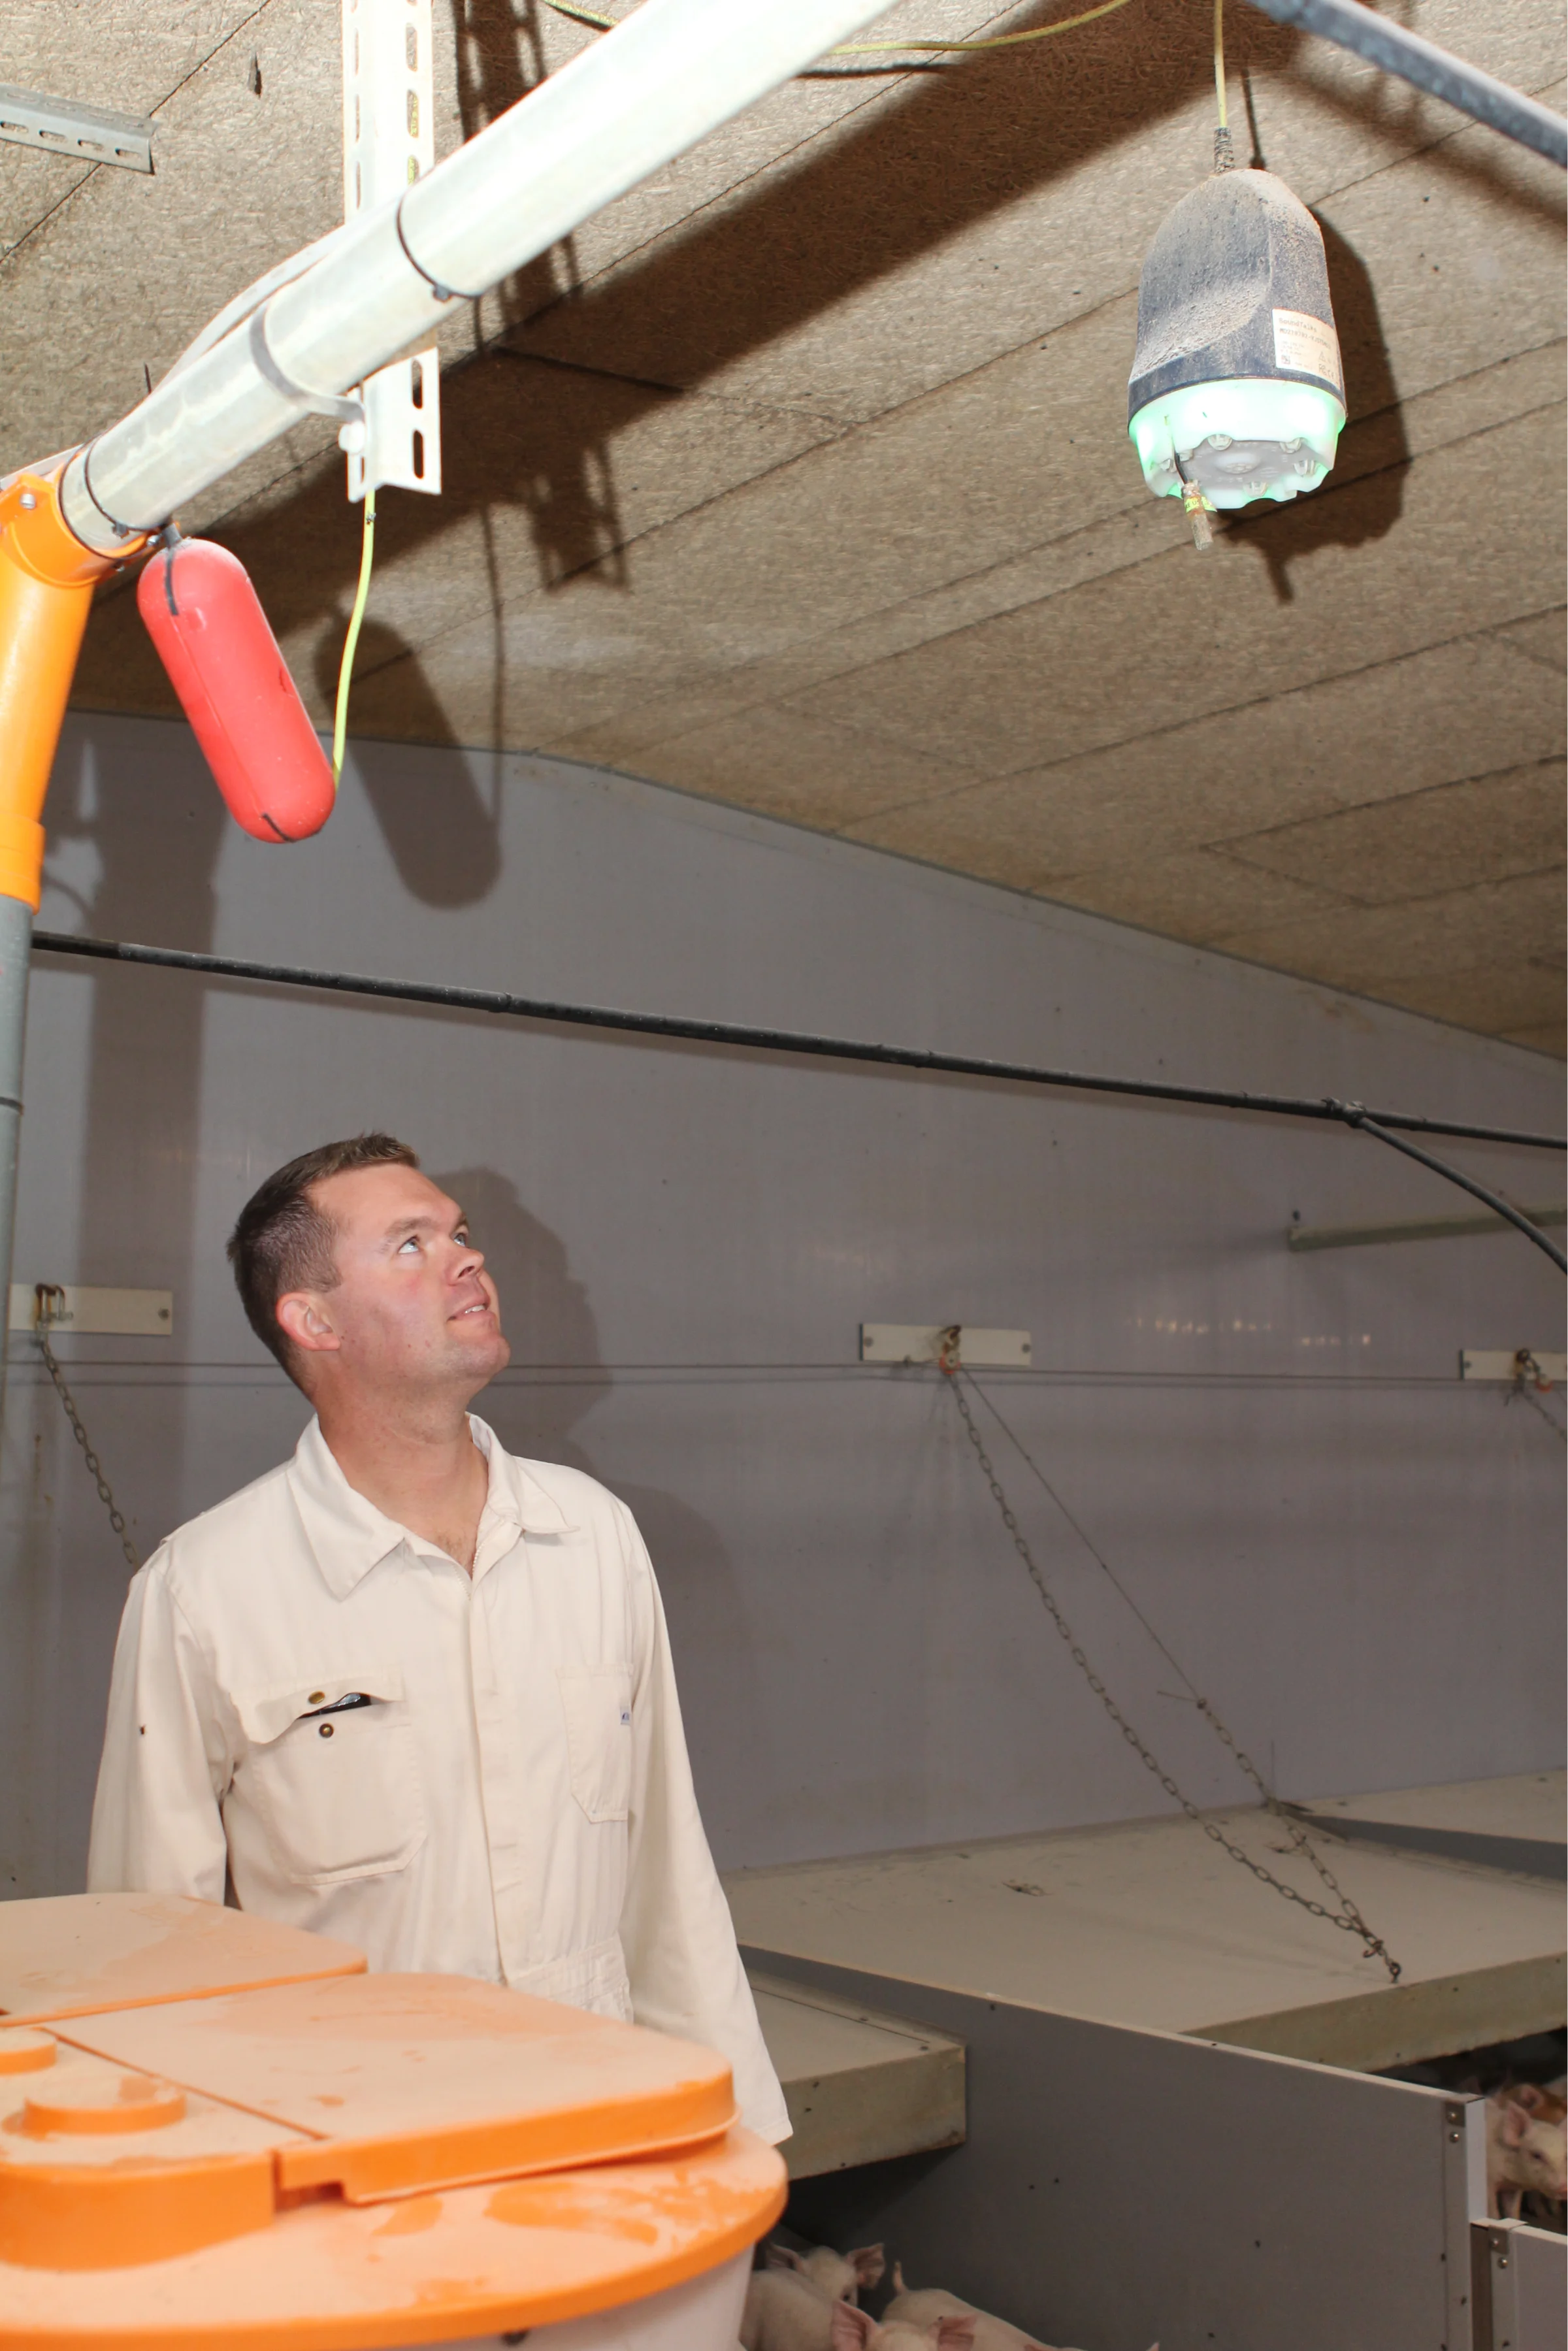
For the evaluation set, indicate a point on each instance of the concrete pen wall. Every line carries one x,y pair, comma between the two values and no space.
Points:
1356,1555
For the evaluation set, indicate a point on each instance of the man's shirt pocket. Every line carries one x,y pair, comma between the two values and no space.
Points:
598,1708
332,1772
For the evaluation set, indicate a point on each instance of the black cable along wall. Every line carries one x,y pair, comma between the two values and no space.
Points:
496,1004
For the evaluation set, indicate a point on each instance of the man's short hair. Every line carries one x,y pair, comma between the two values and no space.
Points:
284,1238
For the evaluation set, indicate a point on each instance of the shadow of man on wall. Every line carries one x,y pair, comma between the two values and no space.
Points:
539,1408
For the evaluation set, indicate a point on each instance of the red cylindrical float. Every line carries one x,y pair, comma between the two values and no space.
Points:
223,660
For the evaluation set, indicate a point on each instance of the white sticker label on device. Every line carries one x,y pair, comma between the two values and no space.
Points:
1307,346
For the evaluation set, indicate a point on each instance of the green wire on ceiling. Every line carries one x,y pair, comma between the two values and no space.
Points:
599,24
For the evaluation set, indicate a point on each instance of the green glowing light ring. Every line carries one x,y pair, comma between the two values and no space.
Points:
1248,408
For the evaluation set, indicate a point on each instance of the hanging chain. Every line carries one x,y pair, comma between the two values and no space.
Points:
1532,1383
1347,1916
47,1293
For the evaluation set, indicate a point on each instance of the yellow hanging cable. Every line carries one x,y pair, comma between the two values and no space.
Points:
341,723
881,48
1224,152
995,41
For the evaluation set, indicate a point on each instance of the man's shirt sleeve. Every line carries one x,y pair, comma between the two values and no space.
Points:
676,1930
156,1822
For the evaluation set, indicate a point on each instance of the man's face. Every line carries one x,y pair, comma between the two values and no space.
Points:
413,1307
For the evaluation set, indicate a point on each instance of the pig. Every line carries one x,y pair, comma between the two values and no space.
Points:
855,2330
920,2307
840,2275
1546,2103
1524,2155
786,2311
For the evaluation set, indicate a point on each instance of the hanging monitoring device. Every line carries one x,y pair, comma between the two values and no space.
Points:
1237,389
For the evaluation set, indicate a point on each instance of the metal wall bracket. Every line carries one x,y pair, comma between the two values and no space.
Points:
922,1342
1413,1228
67,1306
1537,1365
87,134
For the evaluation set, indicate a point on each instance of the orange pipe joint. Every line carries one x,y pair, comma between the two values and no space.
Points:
46,580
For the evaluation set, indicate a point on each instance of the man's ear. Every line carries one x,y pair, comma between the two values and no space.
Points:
303,1319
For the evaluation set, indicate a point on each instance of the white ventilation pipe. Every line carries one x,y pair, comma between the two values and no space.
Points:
671,72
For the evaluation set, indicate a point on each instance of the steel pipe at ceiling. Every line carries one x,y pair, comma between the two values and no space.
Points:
674,70
1388,46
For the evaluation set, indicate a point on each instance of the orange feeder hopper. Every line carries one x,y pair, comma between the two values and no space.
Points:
214,2129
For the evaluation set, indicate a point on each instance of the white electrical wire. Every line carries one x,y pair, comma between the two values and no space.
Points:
235,314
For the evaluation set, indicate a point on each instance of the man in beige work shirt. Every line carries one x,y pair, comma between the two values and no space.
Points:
406,1689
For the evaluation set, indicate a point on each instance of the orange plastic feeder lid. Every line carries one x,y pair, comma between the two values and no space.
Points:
342,2159
77,1952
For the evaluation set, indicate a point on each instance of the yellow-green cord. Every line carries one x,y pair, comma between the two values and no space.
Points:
341,724
1219,61
881,48
995,41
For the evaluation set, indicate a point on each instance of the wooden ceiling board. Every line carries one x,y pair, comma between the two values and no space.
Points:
1166,640
799,477
1382,947
123,56
1524,1002
1199,895
1544,639
1379,733
1482,829
810,770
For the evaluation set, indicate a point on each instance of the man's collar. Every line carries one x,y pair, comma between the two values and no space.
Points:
350,1535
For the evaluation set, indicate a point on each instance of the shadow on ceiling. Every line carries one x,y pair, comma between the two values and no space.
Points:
567,493
1363,497
530,424
444,840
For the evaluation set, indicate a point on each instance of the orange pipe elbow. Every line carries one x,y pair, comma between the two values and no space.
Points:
46,580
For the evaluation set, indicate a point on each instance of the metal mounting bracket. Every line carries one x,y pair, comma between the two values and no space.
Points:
402,428
389,141
1540,1366
85,134
67,1306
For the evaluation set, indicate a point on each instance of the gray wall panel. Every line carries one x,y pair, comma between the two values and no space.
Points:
1273,1451
1522,2285
1120,2188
